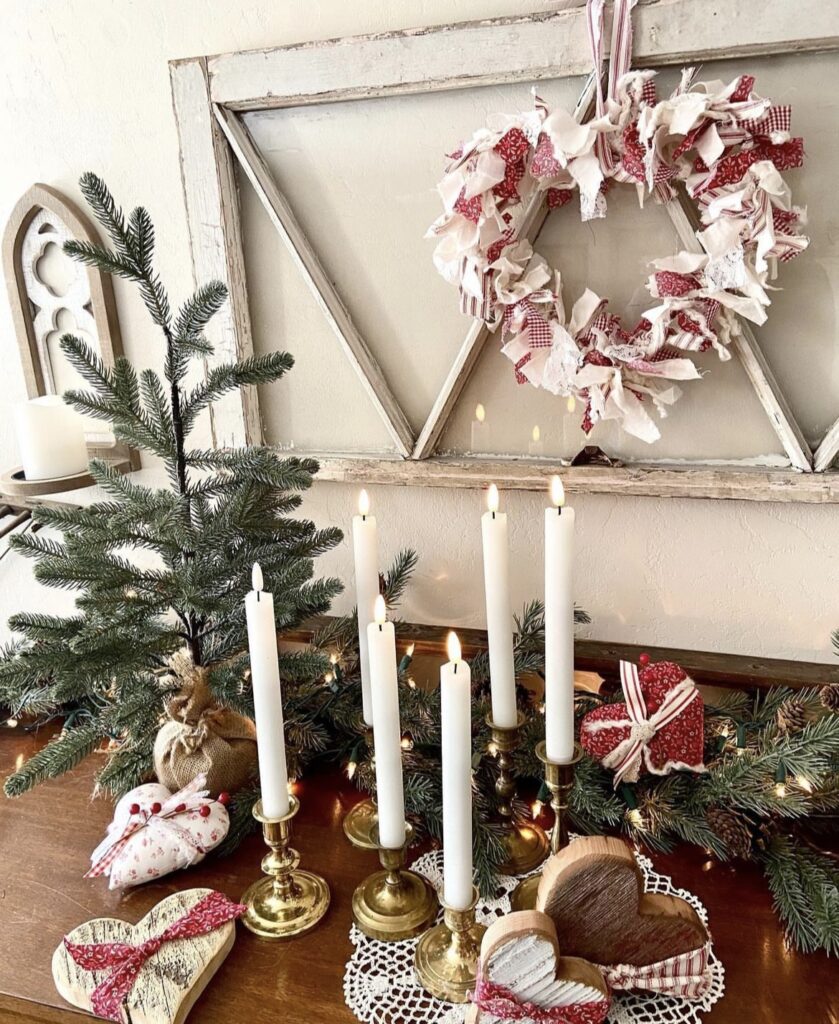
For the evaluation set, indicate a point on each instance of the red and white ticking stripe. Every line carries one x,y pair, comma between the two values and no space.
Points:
686,975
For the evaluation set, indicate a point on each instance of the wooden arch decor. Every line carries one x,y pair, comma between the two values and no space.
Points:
43,217
211,93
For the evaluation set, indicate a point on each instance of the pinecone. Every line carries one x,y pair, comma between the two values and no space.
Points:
792,715
733,829
829,697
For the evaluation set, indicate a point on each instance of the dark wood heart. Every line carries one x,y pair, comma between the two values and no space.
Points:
593,890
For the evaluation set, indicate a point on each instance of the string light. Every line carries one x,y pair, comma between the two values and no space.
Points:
407,743
781,781
12,723
536,808
492,749
804,783
635,818
351,770
328,677
412,683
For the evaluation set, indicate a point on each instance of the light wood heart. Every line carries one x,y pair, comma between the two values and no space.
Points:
593,891
520,953
170,981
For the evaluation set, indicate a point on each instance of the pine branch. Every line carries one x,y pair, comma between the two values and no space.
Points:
57,757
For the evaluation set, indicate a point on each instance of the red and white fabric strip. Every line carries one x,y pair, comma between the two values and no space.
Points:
686,975
619,62
501,1002
627,755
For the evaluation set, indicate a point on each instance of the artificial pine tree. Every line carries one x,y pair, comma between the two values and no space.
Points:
157,571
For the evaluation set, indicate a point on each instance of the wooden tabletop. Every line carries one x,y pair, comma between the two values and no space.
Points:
45,842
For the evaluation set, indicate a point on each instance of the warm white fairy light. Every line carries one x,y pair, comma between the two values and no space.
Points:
635,818
536,808
480,413
351,769
804,783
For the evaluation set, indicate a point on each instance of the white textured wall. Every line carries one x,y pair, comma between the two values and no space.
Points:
84,85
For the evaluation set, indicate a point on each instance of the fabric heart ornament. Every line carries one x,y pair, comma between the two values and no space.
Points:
660,726
522,977
593,892
155,832
151,972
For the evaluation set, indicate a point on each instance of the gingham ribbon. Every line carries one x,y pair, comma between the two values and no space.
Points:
191,797
686,975
502,1003
214,910
627,755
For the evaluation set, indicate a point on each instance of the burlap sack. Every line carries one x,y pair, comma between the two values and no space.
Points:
202,737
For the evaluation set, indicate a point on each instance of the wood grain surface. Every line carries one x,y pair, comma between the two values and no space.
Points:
45,842
593,891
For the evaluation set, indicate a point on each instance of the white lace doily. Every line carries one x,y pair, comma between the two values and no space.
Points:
380,986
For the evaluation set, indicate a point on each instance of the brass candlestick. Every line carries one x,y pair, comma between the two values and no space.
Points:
559,779
526,844
361,820
447,955
289,901
394,903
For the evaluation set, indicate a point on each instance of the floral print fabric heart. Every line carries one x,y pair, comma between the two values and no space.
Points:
677,745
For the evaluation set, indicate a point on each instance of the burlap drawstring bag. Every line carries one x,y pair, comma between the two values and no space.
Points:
200,736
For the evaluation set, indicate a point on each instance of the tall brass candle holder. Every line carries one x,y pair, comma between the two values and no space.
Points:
361,820
394,903
289,901
447,955
559,779
526,844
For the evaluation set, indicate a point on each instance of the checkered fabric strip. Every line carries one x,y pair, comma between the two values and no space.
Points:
776,119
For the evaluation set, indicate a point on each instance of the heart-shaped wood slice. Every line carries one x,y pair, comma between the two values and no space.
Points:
170,981
520,960
593,891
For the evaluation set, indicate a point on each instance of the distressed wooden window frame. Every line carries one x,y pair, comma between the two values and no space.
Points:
210,94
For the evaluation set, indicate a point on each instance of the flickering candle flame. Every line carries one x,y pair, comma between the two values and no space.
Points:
492,498
571,404
480,413
536,433
363,503
380,611
256,577
453,647
557,492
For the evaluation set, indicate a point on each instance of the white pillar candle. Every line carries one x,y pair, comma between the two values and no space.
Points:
267,698
387,731
366,559
50,438
499,614
456,735
559,627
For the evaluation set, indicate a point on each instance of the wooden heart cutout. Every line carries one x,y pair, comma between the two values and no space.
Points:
593,891
520,959
170,980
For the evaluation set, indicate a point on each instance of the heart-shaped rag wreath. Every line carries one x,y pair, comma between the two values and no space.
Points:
724,142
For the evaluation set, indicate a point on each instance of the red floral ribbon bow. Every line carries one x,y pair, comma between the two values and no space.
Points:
626,757
214,910
685,975
501,1002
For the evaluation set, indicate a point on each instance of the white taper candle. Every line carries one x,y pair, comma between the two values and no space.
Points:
267,698
559,627
456,736
499,613
366,560
387,731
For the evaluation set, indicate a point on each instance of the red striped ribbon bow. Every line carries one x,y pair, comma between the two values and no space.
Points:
502,1003
686,975
214,910
627,755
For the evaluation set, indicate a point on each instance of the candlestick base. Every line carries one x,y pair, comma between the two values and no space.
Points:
394,903
526,847
526,844
360,823
559,779
446,959
289,901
